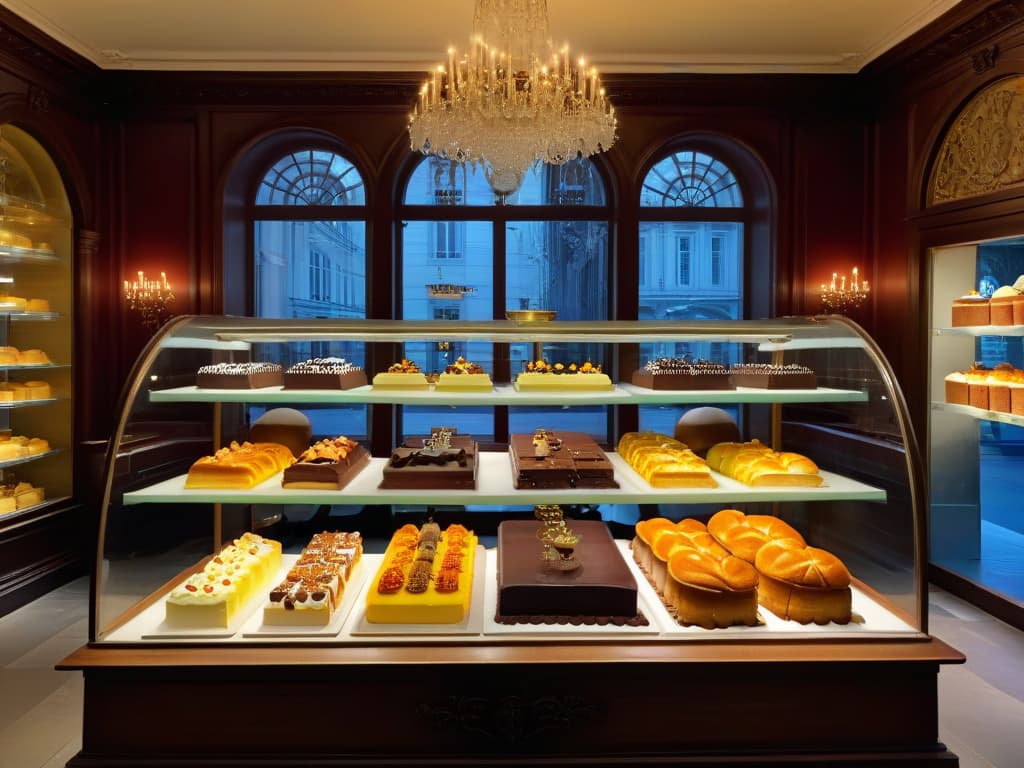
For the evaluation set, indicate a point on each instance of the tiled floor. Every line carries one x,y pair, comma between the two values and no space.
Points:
981,704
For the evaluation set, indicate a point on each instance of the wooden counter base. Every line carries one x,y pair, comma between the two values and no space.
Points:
682,704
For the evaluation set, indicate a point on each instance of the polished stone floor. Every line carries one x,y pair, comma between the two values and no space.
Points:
981,704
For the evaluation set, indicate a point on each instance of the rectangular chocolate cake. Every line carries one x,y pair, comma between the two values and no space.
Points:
601,590
432,465
327,465
324,373
681,374
559,460
766,376
239,376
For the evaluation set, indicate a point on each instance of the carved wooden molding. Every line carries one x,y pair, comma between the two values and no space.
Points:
983,150
512,719
985,59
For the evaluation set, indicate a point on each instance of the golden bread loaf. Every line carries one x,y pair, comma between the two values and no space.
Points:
664,462
239,466
754,463
744,535
802,583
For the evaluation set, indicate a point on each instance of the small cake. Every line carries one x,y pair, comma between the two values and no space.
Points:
327,465
37,305
601,591
37,390
971,309
324,373
700,428
802,583
426,577
664,462
33,357
13,391
547,459
311,592
239,466
977,386
744,535
462,376
15,496
542,376
284,426
8,355
1003,304
37,445
956,388
16,303
755,464
444,461
213,596
239,376
404,375
672,373
767,376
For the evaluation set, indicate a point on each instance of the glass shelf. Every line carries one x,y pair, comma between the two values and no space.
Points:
979,413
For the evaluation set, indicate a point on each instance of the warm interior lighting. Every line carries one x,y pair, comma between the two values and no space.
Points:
512,100
150,298
843,294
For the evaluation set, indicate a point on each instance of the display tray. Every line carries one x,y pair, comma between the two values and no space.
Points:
495,486
25,403
578,631
979,413
982,330
472,625
27,367
506,394
22,314
26,459
869,618
254,627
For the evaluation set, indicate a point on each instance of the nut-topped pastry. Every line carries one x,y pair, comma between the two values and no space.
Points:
404,374
540,375
463,376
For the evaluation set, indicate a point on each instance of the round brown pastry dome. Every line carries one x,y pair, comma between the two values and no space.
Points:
285,426
700,428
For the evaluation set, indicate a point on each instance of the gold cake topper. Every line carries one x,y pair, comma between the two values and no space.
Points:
558,539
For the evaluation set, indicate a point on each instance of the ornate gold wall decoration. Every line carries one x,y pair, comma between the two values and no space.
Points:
984,149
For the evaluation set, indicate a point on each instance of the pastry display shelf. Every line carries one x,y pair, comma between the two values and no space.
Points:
19,315
34,507
494,486
979,413
11,254
38,367
506,394
982,330
26,459
8,405
871,619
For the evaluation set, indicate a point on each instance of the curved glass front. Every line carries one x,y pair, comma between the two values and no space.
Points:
849,418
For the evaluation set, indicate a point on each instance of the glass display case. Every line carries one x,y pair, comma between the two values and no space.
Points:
865,510
354,691
35,329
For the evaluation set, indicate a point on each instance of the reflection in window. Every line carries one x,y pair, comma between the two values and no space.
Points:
691,268
311,263
556,259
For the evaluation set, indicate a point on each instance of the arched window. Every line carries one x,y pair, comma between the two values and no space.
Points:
692,235
308,222
465,258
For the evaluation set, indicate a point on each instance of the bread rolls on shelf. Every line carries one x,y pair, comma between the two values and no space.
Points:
665,543
803,584
709,591
744,535
755,464
644,538
664,462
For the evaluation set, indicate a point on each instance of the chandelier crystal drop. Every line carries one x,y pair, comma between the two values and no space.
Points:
512,100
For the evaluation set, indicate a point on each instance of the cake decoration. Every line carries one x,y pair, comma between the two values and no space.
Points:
463,376
426,576
442,461
546,459
324,373
671,373
542,375
768,376
559,540
239,376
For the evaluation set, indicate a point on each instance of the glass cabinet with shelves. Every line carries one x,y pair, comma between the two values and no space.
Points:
36,278
481,691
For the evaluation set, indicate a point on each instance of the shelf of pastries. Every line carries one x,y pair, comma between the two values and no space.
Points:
495,485
505,394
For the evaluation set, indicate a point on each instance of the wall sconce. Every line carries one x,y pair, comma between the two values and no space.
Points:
842,295
150,298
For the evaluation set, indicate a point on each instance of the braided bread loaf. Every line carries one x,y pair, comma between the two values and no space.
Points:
754,463
743,535
802,583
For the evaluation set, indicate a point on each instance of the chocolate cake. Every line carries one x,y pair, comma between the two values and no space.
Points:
435,463
548,459
324,373
601,590
239,376
327,465
677,373
766,376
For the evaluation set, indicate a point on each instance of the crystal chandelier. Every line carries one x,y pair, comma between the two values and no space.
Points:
512,100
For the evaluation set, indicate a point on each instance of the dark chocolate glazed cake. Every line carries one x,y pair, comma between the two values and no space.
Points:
559,460
601,591
418,466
